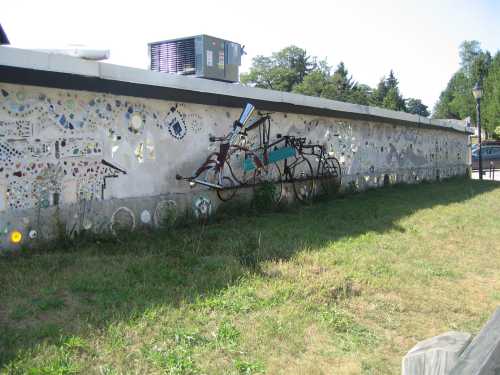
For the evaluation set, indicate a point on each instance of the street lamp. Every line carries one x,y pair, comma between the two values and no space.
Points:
477,91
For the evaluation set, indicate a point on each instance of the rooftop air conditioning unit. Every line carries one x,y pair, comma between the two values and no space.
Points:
202,56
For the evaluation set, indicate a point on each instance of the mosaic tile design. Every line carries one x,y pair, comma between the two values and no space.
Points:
79,134
65,147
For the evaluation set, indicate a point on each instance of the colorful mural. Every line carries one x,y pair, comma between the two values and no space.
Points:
90,154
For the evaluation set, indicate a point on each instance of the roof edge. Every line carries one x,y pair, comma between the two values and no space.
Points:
37,68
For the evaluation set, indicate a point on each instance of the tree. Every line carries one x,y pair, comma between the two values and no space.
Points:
416,107
456,101
292,69
361,94
342,85
296,60
315,82
337,86
379,93
469,50
474,62
491,101
391,81
282,71
387,94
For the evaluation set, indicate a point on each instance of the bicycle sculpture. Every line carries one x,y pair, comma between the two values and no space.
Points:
285,160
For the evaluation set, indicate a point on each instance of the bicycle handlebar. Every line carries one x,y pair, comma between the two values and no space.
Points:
222,139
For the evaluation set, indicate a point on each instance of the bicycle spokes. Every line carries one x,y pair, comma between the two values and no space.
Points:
235,165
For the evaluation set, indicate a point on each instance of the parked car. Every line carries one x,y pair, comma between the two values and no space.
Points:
490,155
485,143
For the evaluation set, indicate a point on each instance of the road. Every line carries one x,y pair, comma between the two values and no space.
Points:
487,175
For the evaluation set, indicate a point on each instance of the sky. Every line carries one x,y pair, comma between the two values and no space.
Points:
418,39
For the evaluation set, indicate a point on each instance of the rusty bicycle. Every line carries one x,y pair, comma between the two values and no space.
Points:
285,160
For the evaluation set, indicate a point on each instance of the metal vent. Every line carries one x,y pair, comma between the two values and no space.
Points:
177,56
202,56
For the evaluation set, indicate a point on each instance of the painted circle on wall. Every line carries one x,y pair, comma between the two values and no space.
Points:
136,121
145,217
21,96
87,224
123,219
33,234
202,208
165,213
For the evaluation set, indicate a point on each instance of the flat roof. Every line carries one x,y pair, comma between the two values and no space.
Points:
28,67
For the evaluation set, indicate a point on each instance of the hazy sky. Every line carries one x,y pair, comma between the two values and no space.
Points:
419,39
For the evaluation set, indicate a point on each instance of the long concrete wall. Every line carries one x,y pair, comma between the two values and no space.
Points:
94,160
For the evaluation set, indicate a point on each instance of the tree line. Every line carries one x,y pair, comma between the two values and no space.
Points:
456,101
293,70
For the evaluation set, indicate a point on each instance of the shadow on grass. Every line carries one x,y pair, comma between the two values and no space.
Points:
56,293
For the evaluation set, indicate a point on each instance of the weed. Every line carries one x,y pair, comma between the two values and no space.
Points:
249,254
76,344
249,368
189,339
174,361
48,303
264,197
351,188
227,334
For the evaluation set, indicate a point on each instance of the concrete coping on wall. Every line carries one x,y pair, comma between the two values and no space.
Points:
38,68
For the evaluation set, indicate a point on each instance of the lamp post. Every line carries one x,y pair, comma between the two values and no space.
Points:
477,91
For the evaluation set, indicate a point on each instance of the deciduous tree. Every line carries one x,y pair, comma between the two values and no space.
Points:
416,107
292,69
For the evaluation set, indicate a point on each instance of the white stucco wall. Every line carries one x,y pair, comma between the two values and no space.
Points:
94,155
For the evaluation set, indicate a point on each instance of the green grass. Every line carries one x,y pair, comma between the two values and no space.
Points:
345,286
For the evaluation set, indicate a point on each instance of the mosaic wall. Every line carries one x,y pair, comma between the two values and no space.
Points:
74,149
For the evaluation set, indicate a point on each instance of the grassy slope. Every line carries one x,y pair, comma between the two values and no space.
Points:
344,287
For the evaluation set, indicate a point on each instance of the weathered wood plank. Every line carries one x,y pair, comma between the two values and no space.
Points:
482,356
435,356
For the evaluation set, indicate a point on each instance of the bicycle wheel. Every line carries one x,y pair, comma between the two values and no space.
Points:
271,175
329,176
303,180
236,160
228,190
227,180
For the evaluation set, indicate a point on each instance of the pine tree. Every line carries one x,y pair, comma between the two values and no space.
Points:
491,97
387,94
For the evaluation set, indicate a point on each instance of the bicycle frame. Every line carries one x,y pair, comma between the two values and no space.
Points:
264,158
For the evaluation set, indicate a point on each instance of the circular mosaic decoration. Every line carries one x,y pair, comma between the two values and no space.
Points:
21,96
145,217
202,208
87,224
165,213
136,121
123,219
194,122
